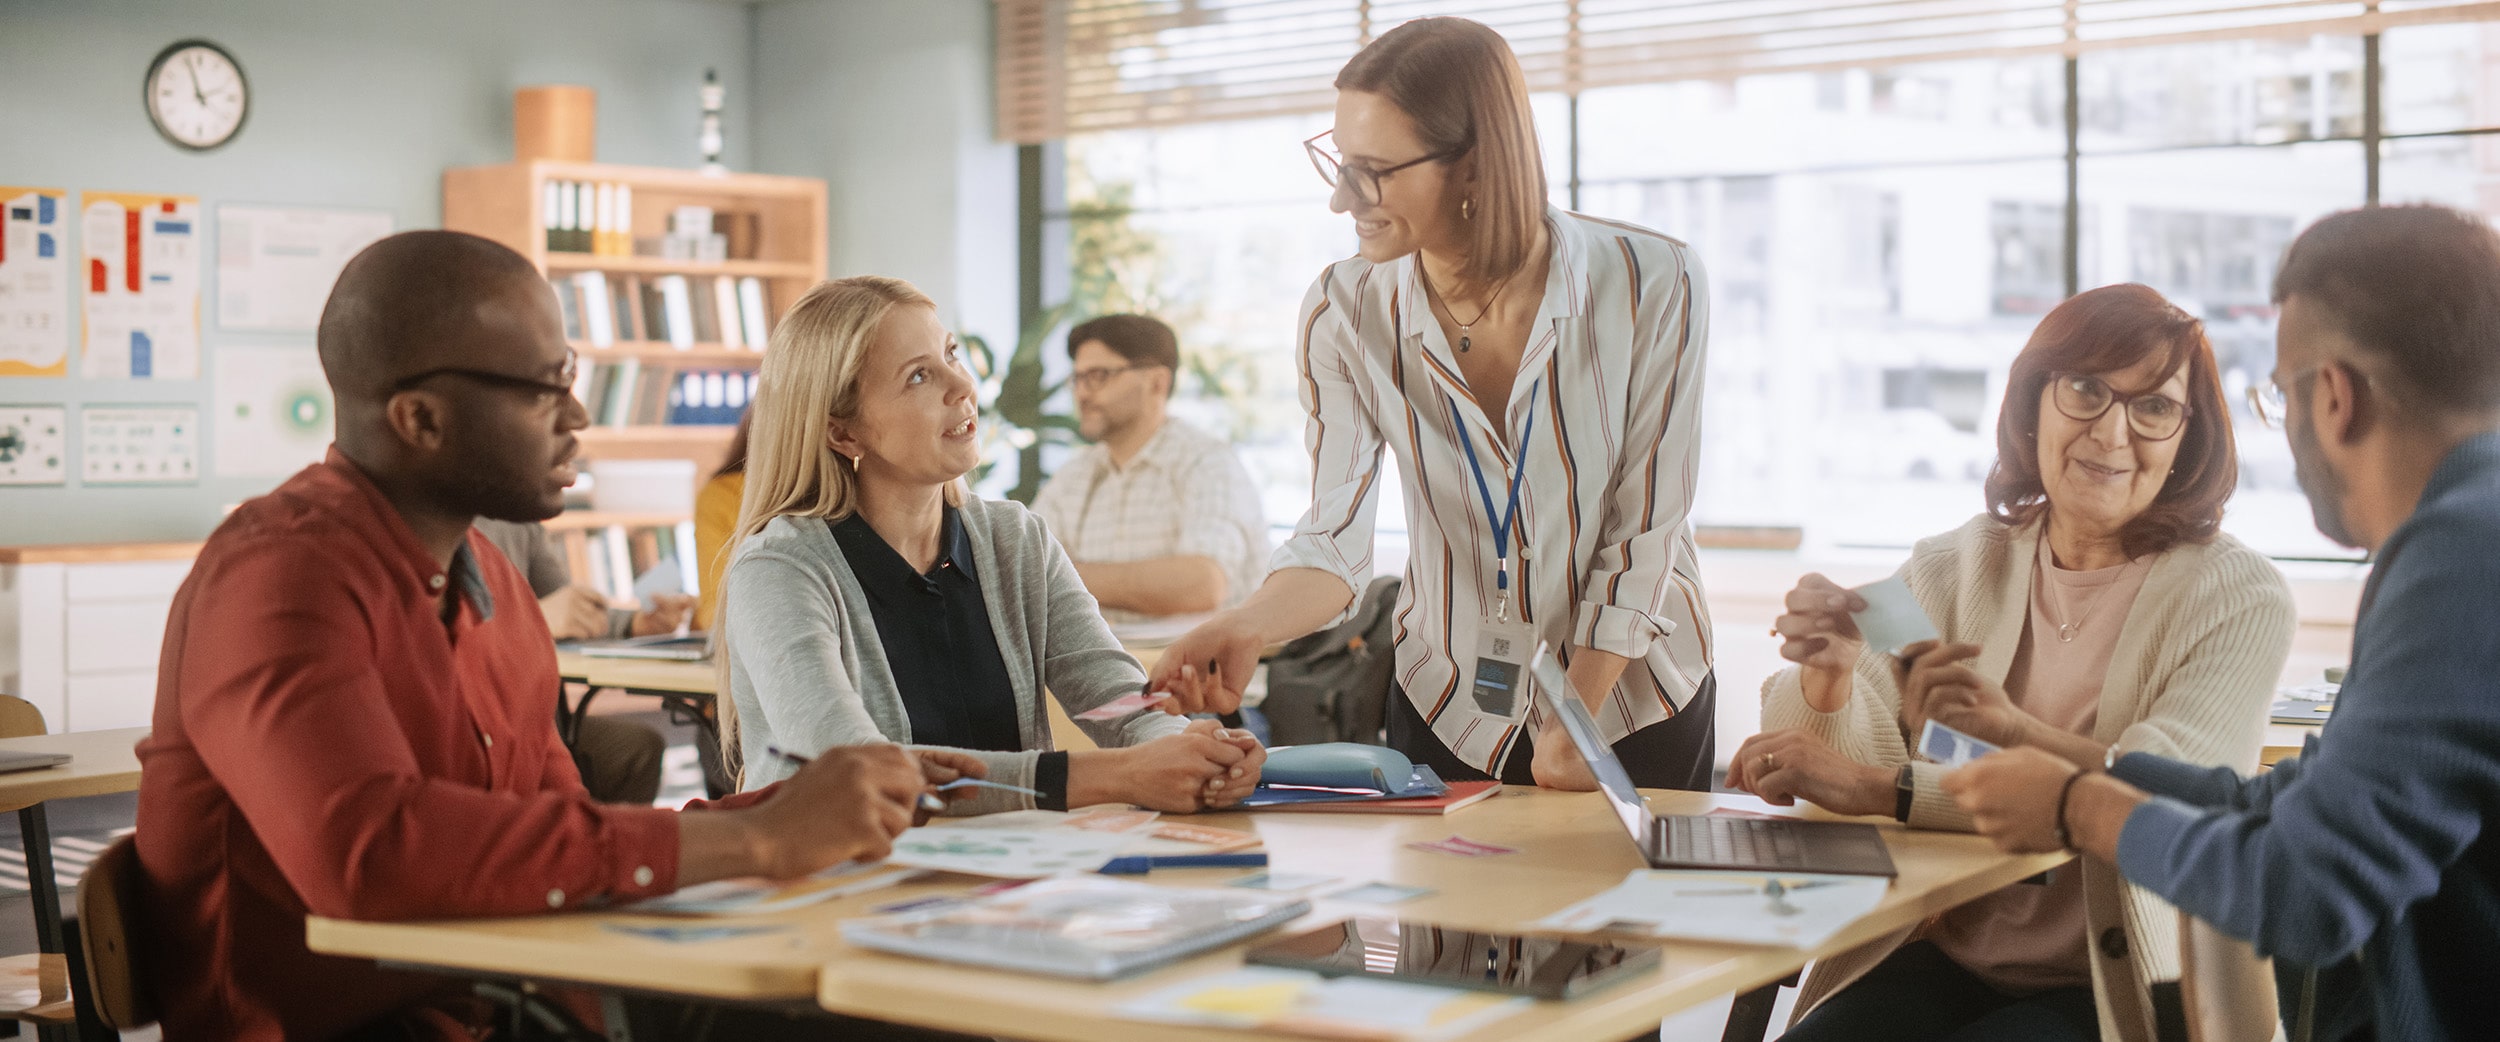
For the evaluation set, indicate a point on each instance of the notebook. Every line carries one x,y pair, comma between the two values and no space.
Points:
1459,795
1423,783
1089,928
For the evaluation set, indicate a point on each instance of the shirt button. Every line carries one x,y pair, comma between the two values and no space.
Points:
490,739
555,898
642,876
434,582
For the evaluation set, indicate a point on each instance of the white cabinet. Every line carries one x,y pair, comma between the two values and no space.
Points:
81,628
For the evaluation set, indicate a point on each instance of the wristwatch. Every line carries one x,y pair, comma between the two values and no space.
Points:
1905,788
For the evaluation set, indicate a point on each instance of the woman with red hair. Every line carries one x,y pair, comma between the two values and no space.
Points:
2095,608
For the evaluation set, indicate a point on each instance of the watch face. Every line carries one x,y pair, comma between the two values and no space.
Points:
196,95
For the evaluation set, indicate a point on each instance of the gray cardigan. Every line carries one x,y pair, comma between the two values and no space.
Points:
807,672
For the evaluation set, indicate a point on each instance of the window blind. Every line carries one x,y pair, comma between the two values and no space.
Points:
1073,66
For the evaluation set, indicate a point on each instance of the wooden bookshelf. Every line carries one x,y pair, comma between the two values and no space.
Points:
778,238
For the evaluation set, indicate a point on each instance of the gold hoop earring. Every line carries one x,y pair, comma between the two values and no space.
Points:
1467,209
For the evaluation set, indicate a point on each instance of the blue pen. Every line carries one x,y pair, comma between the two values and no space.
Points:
1140,864
930,802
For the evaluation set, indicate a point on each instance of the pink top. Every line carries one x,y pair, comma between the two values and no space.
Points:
2027,937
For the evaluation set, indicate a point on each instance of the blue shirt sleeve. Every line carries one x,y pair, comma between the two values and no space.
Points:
2309,861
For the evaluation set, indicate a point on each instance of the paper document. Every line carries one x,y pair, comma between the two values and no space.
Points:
1784,911
1299,1002
1949,747
762,896
1008,853
1892,619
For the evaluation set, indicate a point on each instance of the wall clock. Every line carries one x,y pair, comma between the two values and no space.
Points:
196,95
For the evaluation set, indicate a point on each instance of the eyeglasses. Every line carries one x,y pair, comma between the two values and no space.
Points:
544,394
1363,180
2084,397
2271,402
1092,380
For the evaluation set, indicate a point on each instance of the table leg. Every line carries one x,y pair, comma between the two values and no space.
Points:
36,832
1750,1018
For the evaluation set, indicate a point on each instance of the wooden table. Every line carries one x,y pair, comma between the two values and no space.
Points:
2283,741
1570,848
99,762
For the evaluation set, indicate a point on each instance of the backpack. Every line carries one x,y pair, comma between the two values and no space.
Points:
1334,685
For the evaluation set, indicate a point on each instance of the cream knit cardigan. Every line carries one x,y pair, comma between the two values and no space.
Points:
2191,678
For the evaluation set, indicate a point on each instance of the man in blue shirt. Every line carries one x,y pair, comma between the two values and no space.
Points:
2370,858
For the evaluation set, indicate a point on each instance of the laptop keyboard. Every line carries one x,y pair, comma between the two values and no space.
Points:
1733,841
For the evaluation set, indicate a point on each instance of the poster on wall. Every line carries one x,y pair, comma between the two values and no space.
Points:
34,282
275,265
142,286
34,444
272,410
139,444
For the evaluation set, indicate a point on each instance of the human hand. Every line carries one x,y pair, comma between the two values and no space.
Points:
575,613
1555,762
847,804
1938,685
1817,632
1237,781
939,766
664,614
1169,774
2012,797
1207,668
1782,767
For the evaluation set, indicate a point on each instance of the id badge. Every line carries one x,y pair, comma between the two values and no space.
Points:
1502,653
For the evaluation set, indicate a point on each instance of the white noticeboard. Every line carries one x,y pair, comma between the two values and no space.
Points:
272,408
139,444
141,286
275,266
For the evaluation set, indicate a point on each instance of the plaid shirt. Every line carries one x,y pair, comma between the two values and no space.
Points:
1185,493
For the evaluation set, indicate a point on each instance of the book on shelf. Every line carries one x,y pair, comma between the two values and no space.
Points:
603,309
751,312
676,311
629,563
725,320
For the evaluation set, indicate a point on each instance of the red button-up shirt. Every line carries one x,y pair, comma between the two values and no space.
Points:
326,744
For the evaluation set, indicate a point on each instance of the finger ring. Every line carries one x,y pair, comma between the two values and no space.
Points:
1770,762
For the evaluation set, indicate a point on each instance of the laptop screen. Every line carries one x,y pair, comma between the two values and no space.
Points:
1611,778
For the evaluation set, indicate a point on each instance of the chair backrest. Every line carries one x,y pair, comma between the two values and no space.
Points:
19,718
108,909
2227,990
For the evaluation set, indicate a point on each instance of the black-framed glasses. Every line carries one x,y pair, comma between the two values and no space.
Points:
1092,380
543,393
2084,397
1363,180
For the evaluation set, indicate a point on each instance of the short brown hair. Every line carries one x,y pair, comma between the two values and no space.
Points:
2103,331
2416,287
1142,339
1460,83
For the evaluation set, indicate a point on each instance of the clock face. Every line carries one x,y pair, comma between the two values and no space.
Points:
196,95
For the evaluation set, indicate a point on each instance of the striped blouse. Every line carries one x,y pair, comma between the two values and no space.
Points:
1603,556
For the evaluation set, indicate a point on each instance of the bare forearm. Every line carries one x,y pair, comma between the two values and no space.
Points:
1291,603
1173,585
2073,748
1593,674
2096,812
1094,777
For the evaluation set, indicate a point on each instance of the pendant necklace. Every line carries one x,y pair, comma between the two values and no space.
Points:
2066,631
1465,339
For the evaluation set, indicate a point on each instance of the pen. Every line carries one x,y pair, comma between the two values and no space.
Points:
929,801
1139,864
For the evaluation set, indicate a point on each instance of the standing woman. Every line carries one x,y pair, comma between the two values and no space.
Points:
1538,374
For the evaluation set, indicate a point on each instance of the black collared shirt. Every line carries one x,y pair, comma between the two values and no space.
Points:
935,629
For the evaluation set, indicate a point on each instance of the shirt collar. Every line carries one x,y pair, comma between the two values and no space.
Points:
389,534
873,561
1148,455
467,578
1566,283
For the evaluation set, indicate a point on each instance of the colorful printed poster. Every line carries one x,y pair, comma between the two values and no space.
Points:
34,282
142,284
273,410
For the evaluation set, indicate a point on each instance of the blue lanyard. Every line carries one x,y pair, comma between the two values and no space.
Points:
1519,474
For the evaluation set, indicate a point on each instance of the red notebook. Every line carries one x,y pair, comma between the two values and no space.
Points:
1461,794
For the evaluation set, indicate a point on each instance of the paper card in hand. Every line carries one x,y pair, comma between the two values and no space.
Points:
1892,619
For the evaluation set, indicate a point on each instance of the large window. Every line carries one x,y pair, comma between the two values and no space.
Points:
1880,243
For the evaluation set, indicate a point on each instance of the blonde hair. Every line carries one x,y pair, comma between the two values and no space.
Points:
1460,83
809,380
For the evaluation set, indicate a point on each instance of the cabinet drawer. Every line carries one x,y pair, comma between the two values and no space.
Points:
102,701
116,636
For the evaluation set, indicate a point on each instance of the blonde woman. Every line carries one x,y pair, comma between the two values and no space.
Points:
869,598
1538,374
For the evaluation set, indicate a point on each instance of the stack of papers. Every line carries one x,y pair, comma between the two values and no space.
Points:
1086,927
1782,911
1299,1002
764,896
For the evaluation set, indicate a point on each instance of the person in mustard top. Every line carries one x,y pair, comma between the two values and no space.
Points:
715,517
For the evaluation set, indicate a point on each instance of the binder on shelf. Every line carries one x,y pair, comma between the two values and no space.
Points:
725,313
628,293
677,310
706,307
597,310
569,307
617,409
551,214
751,312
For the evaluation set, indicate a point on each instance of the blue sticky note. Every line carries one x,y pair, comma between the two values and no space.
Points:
43,209
43,244
142,354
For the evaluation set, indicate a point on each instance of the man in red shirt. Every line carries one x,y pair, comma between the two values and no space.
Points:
355,710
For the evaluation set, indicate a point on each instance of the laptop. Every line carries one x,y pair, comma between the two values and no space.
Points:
665,646
12,761
1706,841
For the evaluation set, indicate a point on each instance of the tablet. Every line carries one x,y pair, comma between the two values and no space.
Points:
1546,967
